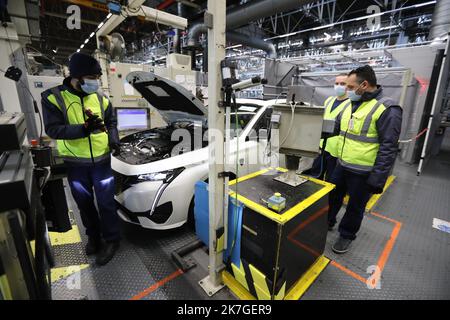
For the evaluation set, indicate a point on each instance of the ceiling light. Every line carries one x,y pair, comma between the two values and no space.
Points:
369,16
100,25
424,4
82,46
92,34
323,27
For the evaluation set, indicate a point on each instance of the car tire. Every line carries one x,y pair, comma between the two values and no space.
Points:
191,217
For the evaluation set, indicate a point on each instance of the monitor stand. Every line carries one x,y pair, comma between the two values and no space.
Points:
291,177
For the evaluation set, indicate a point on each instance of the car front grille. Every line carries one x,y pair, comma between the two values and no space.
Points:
121,182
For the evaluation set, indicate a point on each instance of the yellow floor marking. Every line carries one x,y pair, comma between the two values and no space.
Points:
374,199
295,293
236,287
69,237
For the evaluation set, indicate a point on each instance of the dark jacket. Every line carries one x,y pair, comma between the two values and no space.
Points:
55,125
389,127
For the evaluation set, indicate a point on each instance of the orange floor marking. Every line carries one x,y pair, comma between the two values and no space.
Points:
149,290
384,257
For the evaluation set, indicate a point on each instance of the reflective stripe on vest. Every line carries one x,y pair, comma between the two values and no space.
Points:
360,143
78,150
330,115
333,143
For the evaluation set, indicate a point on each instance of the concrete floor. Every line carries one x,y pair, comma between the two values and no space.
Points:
396,236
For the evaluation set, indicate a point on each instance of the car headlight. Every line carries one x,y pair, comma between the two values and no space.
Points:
156,176
165,176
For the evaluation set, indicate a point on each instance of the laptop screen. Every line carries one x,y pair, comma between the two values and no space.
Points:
132,118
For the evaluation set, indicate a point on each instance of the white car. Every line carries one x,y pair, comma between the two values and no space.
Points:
154,176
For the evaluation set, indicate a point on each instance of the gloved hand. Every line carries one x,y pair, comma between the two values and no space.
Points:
375,190
94,123
115,148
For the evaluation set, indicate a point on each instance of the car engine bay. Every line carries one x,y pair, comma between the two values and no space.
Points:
157,144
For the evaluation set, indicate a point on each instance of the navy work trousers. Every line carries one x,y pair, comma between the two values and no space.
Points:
353,184
84,181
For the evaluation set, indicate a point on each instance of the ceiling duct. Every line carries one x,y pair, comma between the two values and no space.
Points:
257,9
257,43
242,15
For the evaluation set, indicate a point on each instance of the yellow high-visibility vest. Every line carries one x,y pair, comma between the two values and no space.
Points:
72,106
359,135
333,143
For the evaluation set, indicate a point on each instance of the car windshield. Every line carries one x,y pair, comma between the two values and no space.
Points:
244,115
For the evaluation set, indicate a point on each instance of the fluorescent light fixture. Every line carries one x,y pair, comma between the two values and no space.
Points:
82,46
92,34
78,50
369,16
100,25
86,41
236,46
288,35
350,20
424,4
323,27
109,15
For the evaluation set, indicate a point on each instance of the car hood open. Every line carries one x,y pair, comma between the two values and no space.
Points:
174,102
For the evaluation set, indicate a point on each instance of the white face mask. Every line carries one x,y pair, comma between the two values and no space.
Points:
90,86
340,90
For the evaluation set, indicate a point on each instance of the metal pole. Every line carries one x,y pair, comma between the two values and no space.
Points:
437,99
216,50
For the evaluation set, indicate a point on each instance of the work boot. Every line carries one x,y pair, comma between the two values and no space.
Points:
93,245
107,252
341,246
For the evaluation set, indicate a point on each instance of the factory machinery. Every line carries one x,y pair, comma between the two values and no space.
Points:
275,226
33,203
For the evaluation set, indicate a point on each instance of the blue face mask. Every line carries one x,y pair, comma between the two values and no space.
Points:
90,86
340,90
353,96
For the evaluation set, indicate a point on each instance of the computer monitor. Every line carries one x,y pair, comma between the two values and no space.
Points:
132,118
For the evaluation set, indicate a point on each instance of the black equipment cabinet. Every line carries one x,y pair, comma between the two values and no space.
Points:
277,249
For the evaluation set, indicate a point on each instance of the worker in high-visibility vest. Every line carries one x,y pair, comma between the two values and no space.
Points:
325,163
369,130
82,122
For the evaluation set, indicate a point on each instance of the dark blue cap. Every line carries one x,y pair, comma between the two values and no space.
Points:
81,65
